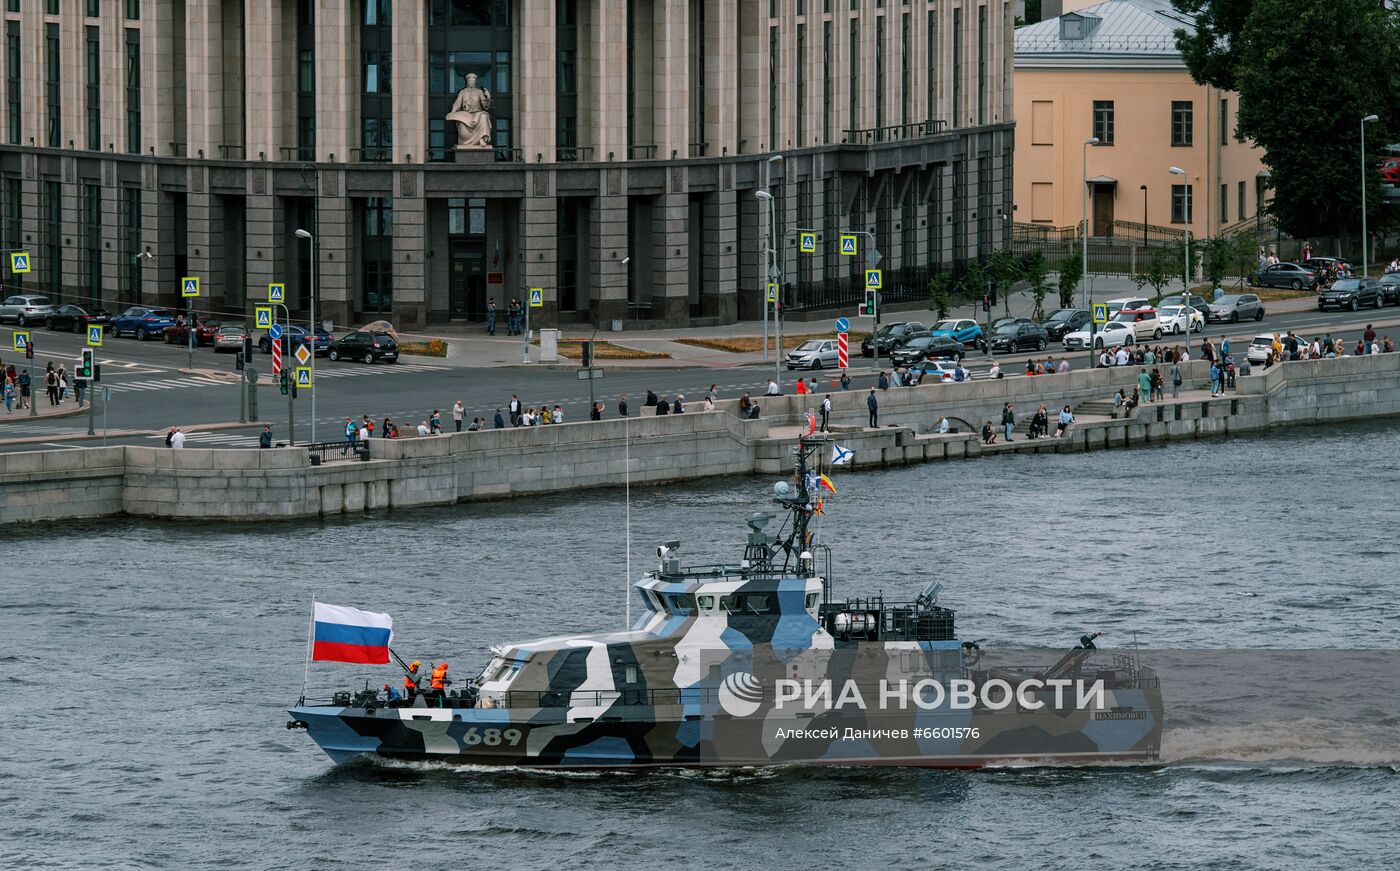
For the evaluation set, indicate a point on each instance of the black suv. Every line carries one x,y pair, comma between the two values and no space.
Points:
1019,337
1351,293
891,336
927,347
1064,321
365,346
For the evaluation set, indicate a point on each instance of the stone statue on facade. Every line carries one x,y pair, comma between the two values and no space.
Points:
471,112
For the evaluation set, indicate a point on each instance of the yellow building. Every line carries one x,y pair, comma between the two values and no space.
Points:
1112,71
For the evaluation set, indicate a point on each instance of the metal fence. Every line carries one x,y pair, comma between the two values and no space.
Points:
910,284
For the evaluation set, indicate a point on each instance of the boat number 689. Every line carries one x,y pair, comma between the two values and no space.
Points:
491,737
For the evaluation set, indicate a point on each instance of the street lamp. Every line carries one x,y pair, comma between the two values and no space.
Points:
770,268
1084,243
1143,188
1186,276
1365,242
303,234
766,199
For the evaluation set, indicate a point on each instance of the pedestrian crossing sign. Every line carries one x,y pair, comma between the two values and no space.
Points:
303,377
21,339
19,261
807,242
95,335
276,292
873,279
848,244
189,286
263,316
1100,313
537,297
772,291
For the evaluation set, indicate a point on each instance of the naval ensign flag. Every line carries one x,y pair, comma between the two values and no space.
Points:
344,634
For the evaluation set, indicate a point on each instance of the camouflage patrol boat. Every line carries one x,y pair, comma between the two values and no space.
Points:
759,663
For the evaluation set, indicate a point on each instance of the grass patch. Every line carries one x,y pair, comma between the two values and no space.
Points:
430,348
609,351
747,344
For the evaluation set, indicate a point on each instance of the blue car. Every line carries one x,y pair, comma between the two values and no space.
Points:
967,331
143,322
294,337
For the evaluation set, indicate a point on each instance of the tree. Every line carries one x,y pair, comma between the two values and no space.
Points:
975,278
1306,73
1036,272
1159,269
939,296
1226,256
1004,270
1071,271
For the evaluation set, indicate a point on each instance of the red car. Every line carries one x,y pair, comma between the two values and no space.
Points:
203,333
1390,170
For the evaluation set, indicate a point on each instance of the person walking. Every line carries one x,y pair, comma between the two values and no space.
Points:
1176,380
80,391
9,395
62,383
265,437
873,405
491,316
459,414
352,434
826,411
500,420
513,317
713,395
51,384
1214,379
515,410
1008,420
435,422
845,380
622,407
1144,386
24,389
1157,385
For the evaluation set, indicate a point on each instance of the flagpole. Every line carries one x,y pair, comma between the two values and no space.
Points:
306,674
627,485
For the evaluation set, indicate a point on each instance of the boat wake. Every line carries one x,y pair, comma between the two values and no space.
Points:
1302,743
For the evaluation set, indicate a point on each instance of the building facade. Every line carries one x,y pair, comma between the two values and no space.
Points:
1112,71
628,138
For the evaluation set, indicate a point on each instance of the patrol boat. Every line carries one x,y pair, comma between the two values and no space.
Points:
759,663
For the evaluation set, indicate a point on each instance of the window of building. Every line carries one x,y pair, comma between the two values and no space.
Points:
853,109
133,10
376,72
11,5
1181,204
131,226
1103,121
957,113
53,231
826,81
880,71
484,13
773,89
800,86
92,8
51,7
982,48
12,79
1240,205
904,69
306,80
53,65
1224,121
1181,123
379,216
92,240
92,64
133,91
378,13
931,59
1224,203
456,217
376,101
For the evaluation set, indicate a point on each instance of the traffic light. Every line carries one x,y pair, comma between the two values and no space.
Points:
992,293
29,350
286,382
986,303
85,367
238,361
869,307
248,347
588,354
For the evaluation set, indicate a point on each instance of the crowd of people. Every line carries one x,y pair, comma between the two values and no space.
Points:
19,387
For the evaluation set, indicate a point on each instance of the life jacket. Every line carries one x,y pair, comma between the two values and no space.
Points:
410,681
440,677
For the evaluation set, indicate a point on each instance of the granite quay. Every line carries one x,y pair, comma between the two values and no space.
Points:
442,470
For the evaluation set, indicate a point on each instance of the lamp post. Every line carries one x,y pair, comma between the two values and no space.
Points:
303,234
1143,188
1186,276
770,260
765,199
1084,247
1365,242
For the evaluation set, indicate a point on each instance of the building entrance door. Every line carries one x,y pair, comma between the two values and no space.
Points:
467,288
1103,210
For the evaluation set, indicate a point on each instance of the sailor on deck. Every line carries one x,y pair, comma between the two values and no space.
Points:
438,687
410,681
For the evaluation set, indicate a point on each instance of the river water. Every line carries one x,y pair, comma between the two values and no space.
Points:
146,668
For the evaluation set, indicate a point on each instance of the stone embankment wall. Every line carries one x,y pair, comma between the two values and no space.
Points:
254,484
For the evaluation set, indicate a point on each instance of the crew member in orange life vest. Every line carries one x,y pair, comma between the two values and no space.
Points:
410,682
438,686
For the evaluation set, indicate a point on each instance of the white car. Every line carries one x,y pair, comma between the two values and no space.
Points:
1108,335
1259,348
1173,321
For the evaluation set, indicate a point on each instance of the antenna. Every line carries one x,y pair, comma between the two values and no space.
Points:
627,490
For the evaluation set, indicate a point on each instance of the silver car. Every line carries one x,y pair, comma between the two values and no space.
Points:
1241,307
25,309
814,354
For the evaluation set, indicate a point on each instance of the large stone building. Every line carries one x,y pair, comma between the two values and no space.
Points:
628,138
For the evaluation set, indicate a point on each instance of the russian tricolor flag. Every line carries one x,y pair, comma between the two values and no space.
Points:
344,634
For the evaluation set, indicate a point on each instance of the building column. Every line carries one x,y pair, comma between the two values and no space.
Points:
161,283
337,82
719,299
204,67
158,70
335,246
409,85
602,43
607,275
537,226
411,292
721,79
670,278
535,93
71,231
671,80
270,28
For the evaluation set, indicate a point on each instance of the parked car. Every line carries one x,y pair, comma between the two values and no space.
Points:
1174,319
1001,322
1284,275
1196,302
25,309
1351,293
1259,348
967,331
1236,307
929,347
814,354
76,317
890,336
1108,335
1122,302
1390,288
365,346
1144,322
229,337
178,333
1065,320
928,371
1331,264
296,334
1019,337
143,322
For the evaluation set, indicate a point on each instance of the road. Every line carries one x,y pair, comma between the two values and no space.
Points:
152,390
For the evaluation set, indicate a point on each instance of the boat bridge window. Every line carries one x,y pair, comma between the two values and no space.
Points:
507,671
812,600
707,603
747,603
680,603
630,675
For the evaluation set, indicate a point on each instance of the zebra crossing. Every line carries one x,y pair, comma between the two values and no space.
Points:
221,439
151,385
353,370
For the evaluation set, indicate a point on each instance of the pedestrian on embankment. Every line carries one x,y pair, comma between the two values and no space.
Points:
873,405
